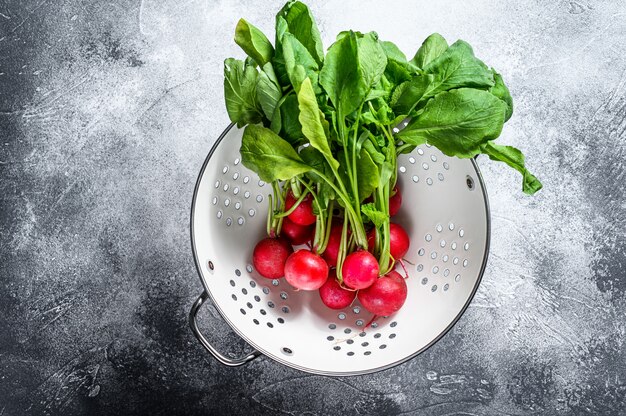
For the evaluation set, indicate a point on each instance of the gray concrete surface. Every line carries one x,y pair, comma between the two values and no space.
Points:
107,110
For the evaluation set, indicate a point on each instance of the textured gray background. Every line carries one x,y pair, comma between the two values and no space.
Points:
107,110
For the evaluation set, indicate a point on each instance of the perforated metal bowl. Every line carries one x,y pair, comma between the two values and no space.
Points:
444,210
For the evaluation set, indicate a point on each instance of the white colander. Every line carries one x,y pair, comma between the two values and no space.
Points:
446,214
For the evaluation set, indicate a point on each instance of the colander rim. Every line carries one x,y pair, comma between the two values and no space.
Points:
287,363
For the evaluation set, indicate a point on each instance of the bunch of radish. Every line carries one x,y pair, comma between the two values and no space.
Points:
332,262
325,126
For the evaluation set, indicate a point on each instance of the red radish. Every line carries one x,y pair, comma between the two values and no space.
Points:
332,248
295,233
385,296
395,201
333,295
360,269
398,241
306,270
269,257
303,213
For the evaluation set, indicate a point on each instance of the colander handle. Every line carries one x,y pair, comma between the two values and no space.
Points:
205,343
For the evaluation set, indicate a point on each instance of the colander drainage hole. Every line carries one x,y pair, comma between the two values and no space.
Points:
425,280
420,267
285,309
365,344
249,305
362,334
275,282
367,353
347,330
262,312
350,341
255,321
336,348
266,290
252,283
237,272
377,335
283,295
375,325
257,298
356,309
281,320
271,325
341,316
434,288
286,351
446,287
359,322
270,304
234,296
232,283
392,336
470,182
350,353
243,311
332,326
383,346
211,266
244,291
457,277
330,338
249,268
393,324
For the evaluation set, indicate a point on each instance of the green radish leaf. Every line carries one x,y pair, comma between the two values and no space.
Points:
515,159
375,216
458,67
253,42
457,122
316,160
367,175
341,76
273,158
311,120
240,92
431,49
290,128
299,21
268,90
372,59
393,52
374,94
502,92
386,172
279,60
296,56
398,69
376,156
409,94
